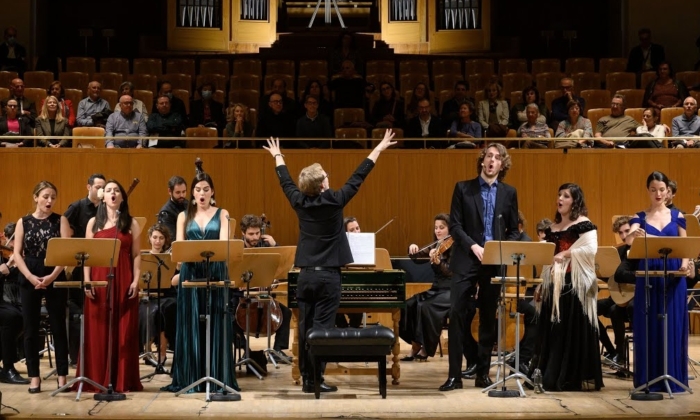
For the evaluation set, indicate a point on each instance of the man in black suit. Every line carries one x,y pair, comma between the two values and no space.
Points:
323,247
424,125
483,209
646,56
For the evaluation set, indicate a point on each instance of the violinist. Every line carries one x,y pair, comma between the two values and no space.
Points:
10,311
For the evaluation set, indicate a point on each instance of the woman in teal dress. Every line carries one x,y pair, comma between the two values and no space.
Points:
202,220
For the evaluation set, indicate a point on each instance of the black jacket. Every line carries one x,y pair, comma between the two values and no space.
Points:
635,61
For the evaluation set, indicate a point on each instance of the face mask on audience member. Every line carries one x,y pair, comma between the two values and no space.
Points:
11,41
206,94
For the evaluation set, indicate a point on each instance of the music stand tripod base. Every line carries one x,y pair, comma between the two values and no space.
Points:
646,396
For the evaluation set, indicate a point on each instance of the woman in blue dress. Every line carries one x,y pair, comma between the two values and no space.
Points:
202,220
658,220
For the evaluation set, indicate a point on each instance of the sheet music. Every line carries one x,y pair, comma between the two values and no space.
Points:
362,248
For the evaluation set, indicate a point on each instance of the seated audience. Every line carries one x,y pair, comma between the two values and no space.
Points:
617,124
176,104
534,127
425,125
493,112
12,124
12,54
420,92
52,122
65,106
127,88
349,88
573,127
315,88
207,112
165,123
313,125
26,107
450,109
687,125
388,111
274,121
239,126
650,127
464,127
646,56
560,106
127,123
93,111
279,86
518,113
664,91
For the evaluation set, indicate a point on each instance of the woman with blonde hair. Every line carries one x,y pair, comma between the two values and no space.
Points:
51,122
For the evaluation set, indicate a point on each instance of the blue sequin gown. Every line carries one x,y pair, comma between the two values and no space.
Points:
189,362
676,308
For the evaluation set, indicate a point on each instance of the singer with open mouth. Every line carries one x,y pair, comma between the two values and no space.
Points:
483,209
113,221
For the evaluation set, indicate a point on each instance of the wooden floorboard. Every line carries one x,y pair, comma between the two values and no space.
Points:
358,397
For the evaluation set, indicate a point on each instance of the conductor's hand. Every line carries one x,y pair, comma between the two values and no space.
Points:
133,290
273,146
478,251
386,141
412,249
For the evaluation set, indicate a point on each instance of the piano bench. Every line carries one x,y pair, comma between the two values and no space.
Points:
371,344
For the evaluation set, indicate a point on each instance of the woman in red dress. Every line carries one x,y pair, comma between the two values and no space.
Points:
113,220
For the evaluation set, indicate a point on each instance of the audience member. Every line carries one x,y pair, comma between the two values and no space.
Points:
650,127
207,112
646,56
493,112
534,127
346,50
349,88
127,123
315,88
52,122
464,127
12,54
664,91
176,104
239,126
617,124
518,114
93,111
388,111
13,124
26,107
274,121
165,123
313,125
575,127
65,106
560,106
420,92
687,124
127,88
450,109
425,125
280,86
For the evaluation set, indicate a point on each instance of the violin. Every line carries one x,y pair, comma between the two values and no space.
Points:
6,252
444,245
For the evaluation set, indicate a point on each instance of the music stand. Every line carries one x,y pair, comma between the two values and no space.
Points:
158,263
287,254
208,251
255,270
665,248
141,222
517,253
81,252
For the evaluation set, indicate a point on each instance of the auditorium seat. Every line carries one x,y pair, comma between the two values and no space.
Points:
181,66
377,136
185,96
478,66
145,96
247,66
178,80
343,116
646,78
636,113
695,94
145,82
596,98
98,143
381,67
244,81
108,80
633,97
218,96
690,78
313,68
414,66
288,79
579,65
214,66
378,78
219,80
37,79
4,93
512,65
515,81
410,80
620,80
611,65
201,132
545,65
446,81
6,77
515,97
549,97
444,96
75,80
247,97
447,66
280,67
112,97
668,114
594,114
152,66
37,95
115,65
81,65
75,96
478,82
548,81
352,134
586,81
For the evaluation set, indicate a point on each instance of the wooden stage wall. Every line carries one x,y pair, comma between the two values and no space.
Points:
410,186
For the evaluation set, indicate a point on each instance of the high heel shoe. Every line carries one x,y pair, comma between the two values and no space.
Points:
35,390
58,386
420,357
407,359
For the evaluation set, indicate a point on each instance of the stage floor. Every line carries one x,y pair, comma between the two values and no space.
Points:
416,397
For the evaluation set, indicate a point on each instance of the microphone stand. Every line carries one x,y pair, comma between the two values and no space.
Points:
110,395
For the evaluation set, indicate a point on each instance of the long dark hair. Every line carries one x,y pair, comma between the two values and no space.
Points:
191,205
578,207
124,221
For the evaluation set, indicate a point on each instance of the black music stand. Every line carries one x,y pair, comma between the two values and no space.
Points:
208,251
665,248
255,270
151,263
517,253
287,254
70,251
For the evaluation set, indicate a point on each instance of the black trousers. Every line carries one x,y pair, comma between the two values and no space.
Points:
618,316
318,297
10,330
527,344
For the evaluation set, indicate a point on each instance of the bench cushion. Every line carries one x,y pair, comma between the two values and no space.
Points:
371,336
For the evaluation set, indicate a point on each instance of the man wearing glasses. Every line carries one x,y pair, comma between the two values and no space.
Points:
617,124
126,123
560,111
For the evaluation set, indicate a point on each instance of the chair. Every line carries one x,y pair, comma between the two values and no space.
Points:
108,80
546,65
181,66
145,82
4,93
342,116
516,97
611,65
646,78
201,132
115,65
303,80
549,97
633,97
152,66
8,76
690,78
88,132
668,114
512,65
112,97
313,68
280,67
38,79
636,113
380,67
214,66
479,96
185,96
378,78
74,80
219,80
81,65
446,81
594,114
452,66
245,81
178,80
378,135
478,82
620,80
586,81
351,134
75,96
413,66
548,81
596,98
579,65
410,80
248,97
480,66
145,96
695,94
516,81
444,96
37,95
288,79
247,66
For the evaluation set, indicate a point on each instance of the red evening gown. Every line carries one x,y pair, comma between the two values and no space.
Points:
125,327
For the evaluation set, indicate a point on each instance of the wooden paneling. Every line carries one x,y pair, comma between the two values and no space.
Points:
460,40
409,186
198,39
